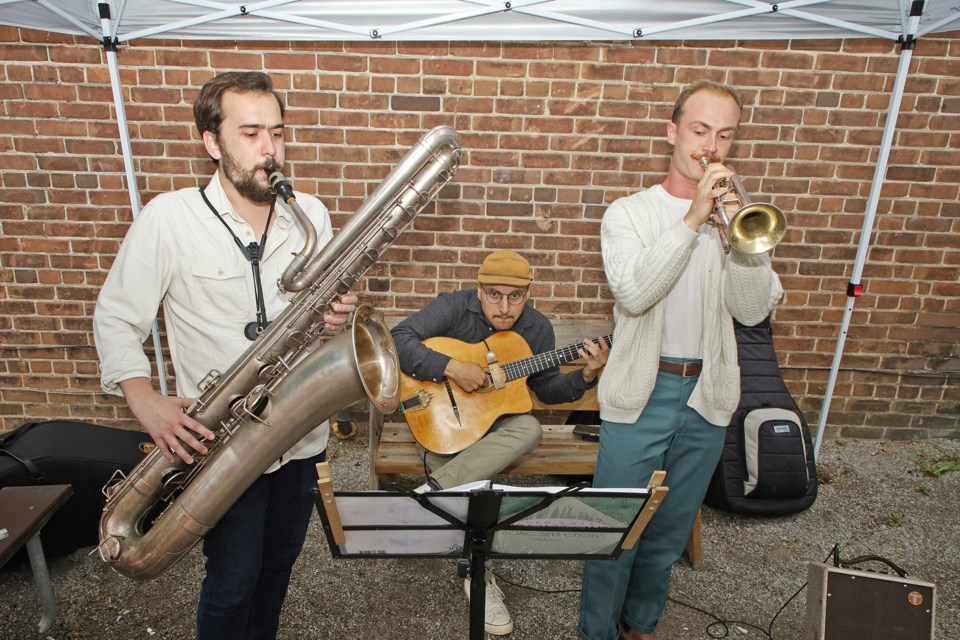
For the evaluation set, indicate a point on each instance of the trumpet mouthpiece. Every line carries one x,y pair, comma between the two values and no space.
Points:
704,159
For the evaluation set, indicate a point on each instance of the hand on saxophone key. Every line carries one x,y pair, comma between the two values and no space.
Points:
173,431
339,312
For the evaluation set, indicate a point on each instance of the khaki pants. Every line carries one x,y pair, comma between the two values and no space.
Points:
508,439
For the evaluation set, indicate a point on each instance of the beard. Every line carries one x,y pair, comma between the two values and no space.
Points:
246,182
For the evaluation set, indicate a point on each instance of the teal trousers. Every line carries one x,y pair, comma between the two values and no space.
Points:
671,436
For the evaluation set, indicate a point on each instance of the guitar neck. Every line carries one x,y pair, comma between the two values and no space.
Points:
543,361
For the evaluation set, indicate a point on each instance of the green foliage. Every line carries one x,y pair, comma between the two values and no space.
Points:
894,519
936,466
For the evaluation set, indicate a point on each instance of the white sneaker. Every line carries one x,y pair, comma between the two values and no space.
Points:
496,618
428,486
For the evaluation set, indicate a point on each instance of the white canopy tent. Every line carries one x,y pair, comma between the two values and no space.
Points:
117,21
528,20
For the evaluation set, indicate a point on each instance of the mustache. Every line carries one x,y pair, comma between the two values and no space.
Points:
269,165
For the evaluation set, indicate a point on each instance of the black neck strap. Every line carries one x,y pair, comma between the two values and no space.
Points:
257,252
253,252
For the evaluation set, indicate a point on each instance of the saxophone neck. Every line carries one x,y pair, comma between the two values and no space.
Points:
291,279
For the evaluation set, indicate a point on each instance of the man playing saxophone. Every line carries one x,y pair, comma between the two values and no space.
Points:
212,257
672,379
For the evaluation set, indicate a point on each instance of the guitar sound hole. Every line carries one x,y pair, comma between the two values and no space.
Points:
453,400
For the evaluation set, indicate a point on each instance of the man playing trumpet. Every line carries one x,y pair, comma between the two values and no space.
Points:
673,381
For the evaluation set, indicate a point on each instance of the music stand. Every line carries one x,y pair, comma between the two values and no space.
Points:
485,521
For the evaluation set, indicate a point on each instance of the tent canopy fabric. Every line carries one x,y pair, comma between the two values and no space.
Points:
473,20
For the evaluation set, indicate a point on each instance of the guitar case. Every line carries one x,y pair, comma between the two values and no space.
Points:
80,454
767,466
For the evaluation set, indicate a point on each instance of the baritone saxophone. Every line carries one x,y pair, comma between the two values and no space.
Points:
292,378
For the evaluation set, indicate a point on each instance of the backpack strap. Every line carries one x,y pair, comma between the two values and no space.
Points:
28,464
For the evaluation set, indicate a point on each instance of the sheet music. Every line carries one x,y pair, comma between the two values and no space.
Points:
571,525
378,542
582,491
583,521
391,509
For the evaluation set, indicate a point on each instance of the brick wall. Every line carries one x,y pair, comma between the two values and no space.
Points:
552,133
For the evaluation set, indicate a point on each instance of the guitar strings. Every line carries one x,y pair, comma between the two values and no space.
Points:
533,364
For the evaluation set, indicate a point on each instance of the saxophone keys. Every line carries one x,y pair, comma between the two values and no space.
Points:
210,380
109,548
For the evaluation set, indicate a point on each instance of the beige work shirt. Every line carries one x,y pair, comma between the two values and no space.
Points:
176,253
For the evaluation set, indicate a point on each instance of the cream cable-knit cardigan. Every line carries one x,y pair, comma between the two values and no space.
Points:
642,260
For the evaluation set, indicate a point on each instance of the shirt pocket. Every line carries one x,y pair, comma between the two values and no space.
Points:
220,288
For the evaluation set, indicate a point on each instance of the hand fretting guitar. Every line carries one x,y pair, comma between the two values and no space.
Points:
445,419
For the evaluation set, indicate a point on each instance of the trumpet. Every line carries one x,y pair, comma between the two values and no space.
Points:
755,228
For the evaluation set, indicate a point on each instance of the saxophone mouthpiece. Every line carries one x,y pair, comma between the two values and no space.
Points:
281,186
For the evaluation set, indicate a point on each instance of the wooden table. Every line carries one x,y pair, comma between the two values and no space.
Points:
23,513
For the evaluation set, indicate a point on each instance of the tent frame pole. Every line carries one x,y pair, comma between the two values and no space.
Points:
110,49
855,287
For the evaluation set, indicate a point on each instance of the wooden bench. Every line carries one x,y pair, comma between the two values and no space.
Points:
393,451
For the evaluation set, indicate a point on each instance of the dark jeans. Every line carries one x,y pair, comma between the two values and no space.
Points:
251,552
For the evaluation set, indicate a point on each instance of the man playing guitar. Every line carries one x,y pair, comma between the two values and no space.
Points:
474,317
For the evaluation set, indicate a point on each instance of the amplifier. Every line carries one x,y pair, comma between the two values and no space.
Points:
848,604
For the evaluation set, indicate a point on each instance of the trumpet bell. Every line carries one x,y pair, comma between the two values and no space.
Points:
756,228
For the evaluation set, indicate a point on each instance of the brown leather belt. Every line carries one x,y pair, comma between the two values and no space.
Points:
685,369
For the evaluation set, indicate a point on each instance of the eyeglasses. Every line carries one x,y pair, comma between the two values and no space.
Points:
514,298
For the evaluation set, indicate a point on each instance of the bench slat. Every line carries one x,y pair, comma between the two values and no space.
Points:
560,453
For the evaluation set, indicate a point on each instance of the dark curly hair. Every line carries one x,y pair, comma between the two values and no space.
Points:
208,107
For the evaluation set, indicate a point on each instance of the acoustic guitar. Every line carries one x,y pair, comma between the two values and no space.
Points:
445,419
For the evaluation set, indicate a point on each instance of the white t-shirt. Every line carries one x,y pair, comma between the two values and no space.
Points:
683,323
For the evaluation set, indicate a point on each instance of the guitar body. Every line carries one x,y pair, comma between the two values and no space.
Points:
444,418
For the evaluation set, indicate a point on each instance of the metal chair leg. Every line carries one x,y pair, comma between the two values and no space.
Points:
42,577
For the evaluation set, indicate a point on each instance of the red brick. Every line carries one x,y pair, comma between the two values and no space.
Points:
535,175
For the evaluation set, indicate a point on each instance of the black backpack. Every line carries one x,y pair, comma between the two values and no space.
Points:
80,454
767,467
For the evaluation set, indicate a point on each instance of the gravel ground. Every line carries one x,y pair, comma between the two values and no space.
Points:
874,499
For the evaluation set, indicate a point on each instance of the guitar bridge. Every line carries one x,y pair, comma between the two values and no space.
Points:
496,376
